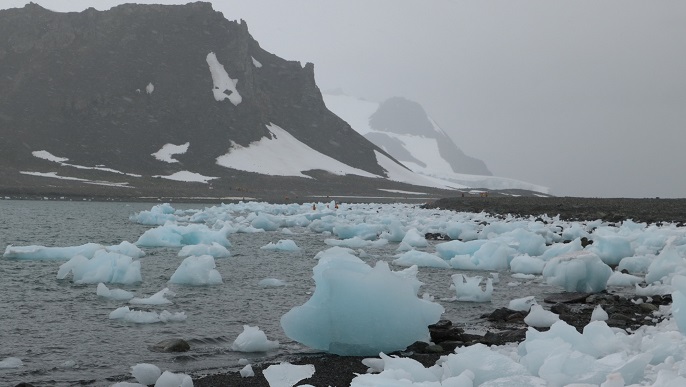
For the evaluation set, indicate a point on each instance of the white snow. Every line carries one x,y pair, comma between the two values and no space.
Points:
43,154
222,81
402,192
54,175
167,152
252,339
256,63
187,176
397,172
274,156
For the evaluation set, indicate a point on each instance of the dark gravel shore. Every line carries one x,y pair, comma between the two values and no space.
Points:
571,208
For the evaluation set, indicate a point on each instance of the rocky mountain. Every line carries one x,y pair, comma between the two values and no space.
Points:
168,99
402,128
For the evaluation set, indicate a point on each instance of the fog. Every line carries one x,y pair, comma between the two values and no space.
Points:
587,98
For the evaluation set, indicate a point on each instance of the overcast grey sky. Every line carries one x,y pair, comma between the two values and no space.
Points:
586,97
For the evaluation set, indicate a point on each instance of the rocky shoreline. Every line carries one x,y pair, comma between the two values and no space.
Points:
505,326
653,210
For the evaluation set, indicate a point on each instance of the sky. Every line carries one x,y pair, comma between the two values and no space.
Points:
585,97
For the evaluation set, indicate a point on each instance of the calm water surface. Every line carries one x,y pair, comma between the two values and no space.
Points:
62,332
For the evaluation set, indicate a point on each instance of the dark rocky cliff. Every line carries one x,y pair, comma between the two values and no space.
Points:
74,84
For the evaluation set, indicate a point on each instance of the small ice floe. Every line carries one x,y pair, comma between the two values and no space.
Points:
143,317
579,271
215,249
11,362
113,294
469,288
287,374
247,372
252,339
170,379
281,245
540,318
158,298
106,267
271,283
197,271
146,374
522,304
421,259
599,314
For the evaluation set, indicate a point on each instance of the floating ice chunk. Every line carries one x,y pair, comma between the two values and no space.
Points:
149,88
360,310
652,290
637,264
461,230
421,259
197,271
469,288
522,304
492,256
170,379
527,265
558,249
448,250
679,302
540,318
266,222
287,374
215,249
484,363
34,252
621,279
524,241
395,232
11,362
579,271
668,262
157,215
356,242
271,283
156,299
363,230
103,267
127,384
173,235
611,248
222,81
113,294
145,373
281,245
415,369
143,317
247,372
599,314
415,239
574,231
126,248
252,339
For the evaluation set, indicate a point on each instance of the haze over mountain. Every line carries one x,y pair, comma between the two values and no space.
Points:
403,129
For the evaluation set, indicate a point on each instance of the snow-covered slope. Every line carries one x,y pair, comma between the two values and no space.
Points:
417,141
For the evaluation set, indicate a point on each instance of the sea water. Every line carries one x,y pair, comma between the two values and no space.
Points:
62,332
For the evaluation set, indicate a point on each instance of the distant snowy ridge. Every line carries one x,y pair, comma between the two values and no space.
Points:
418,151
